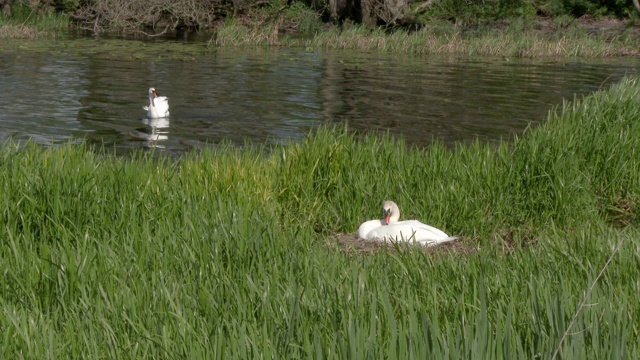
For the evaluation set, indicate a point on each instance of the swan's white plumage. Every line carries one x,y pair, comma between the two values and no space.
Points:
158,105
390,229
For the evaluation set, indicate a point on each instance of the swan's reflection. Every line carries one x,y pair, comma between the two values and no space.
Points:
158,132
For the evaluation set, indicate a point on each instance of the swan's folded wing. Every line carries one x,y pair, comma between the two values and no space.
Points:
161,103
367,227
411,230
422,228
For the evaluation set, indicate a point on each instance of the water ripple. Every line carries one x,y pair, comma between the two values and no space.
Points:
275,96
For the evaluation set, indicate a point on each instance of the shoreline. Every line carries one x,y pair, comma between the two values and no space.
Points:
541,38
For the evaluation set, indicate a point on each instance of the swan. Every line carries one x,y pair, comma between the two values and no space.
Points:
389,228
158,105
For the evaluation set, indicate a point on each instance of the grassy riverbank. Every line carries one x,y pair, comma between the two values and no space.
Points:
514,40
231,253
298,26
27,24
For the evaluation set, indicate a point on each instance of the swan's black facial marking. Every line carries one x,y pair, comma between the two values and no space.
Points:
387,215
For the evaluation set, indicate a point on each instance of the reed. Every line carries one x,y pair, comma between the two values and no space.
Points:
436,39
580,166
512,42
227,252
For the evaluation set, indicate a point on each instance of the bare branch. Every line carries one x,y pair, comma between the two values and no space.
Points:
586,296
428,3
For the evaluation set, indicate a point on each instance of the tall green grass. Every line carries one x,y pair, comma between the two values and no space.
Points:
226,253
580,166
517,38
27,23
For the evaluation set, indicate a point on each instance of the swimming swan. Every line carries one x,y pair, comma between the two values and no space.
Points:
389,228
158,105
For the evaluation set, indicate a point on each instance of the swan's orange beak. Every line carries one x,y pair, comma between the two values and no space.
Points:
387,215
155,93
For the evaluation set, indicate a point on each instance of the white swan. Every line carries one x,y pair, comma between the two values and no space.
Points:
158,105
389,228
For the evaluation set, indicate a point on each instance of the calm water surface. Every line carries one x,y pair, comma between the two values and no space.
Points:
276,96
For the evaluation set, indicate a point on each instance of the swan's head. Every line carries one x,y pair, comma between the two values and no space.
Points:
390,212
153,92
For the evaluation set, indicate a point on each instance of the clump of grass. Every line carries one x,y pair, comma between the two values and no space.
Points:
234,34
511,43
221,254
25,23
299,18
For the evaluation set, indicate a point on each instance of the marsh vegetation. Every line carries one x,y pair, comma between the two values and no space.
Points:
239,252
506,28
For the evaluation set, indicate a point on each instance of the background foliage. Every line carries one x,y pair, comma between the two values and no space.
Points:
308,15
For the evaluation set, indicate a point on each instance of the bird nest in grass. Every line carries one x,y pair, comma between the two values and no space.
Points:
351,244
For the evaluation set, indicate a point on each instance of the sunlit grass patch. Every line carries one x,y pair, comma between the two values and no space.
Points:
227,253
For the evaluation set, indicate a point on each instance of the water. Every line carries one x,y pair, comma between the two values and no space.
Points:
86,91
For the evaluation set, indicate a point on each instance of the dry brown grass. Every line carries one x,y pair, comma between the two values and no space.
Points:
19,32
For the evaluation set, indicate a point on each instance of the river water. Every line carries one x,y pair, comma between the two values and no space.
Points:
93,90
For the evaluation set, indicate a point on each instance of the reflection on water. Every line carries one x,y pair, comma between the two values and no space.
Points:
274,96
157,130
